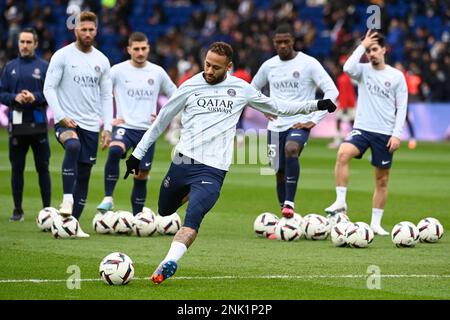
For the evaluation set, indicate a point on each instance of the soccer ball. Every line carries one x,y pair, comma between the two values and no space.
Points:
359,235
297,218
64,227
338,234
45,217
103,222
287,230
430,230
315,227
264,224
168,224
144,224
116,268
405,234
123,223
337,218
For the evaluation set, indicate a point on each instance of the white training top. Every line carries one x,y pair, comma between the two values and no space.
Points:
209,117
136,92
382,96
295,80
78,86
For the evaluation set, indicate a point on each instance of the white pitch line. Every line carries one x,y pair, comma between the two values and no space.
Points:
289,277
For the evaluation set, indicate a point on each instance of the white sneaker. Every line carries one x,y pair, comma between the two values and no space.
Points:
66,208
336,207
379,231
81,233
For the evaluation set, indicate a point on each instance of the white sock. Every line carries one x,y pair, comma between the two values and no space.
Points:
176,251
377,214
68,197
341,193
108,199
289,203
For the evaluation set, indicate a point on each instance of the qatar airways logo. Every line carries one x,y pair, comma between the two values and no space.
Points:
140,94
378,90
286,85
216,105
86,81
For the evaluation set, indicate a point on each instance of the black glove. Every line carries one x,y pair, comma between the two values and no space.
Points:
132,165
326,104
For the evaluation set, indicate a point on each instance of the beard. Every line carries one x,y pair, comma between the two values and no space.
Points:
217,79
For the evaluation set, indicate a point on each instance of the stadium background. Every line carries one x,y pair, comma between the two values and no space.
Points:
417,34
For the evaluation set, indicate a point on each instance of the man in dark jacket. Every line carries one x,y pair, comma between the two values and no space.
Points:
21,85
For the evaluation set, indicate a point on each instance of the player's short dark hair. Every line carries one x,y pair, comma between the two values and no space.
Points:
32,31
222,49
380,37
284,28
88,16
137,37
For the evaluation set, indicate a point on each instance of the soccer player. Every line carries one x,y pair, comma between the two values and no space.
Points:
292,76
21,86
136,86
380,116
78,88
211,103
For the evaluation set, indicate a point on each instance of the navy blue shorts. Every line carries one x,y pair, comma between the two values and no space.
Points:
381,157
277,141
201,182
88,141
131,137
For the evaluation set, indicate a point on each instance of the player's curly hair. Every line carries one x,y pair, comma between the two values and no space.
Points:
222,49
88,16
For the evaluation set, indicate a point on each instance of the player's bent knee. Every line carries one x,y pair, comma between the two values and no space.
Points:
115,144
142,175
72,145
67,135
292,149
115,151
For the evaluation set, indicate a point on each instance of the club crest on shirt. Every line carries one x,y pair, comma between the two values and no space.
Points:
166,182
387,84
151,81
296,74
97,68
36,73
231,92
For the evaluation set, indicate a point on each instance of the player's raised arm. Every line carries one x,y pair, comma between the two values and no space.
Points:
352,66
53,78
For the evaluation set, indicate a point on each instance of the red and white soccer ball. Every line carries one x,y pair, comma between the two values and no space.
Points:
103,223
288,230
264,224
315,227
405,234
144,223
45,217
168,224
116,269
64,227
338,234
124,222
359,235
430,230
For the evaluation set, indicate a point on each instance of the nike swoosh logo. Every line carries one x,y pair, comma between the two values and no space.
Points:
296,135
147,164
206,182
92,159
197,94
74,66
384,162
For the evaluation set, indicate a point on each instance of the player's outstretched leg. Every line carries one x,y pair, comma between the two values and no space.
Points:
111,175
164,271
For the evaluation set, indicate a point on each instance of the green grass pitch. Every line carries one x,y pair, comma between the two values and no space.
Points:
228,261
